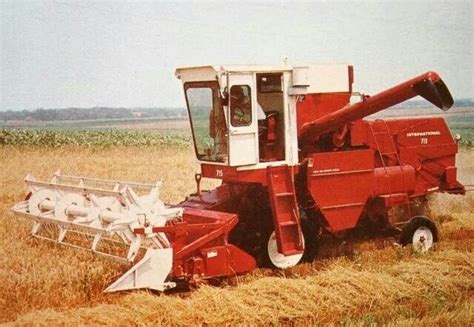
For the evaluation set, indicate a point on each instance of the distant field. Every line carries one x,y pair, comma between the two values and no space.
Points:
46,137
156,131
161,124
171,125
457,117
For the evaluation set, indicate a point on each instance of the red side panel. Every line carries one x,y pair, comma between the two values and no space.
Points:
318,105
215,260
426,144
239,261
222,198
232,174
394,179
200,245
341,183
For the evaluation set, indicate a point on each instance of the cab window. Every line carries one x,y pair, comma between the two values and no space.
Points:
207,120
269,83
240,105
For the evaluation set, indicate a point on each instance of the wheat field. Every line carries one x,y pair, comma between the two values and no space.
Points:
374,283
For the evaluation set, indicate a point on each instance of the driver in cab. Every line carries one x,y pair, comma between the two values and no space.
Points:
241,109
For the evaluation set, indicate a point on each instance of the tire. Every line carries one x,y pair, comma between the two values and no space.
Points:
310,240
277,259
421,232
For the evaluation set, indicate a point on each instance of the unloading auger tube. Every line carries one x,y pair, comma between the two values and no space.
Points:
102,212
428,85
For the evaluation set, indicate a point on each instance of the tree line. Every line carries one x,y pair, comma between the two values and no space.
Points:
97,113
90,113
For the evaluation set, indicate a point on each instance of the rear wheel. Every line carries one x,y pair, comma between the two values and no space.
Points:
421,232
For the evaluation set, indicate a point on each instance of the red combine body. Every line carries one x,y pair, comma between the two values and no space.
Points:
297,161
315,165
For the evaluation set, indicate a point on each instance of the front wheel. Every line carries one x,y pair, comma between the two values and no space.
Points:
421,232
278,259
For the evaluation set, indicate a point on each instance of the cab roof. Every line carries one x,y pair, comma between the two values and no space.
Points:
250,68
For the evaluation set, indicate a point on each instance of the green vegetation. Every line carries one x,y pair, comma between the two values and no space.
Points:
130,137
90,138
153,131
467,135
463,124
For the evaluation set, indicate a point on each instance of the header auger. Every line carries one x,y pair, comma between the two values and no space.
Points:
297,161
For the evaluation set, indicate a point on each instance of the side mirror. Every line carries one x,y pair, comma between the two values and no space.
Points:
457,138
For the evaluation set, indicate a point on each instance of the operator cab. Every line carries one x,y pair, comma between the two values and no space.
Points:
246,116
237,114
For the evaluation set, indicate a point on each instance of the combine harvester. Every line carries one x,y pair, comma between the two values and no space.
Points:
297,162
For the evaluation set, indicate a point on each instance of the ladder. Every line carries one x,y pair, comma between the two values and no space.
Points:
388,153
281,189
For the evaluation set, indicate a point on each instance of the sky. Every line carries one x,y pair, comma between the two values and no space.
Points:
124,54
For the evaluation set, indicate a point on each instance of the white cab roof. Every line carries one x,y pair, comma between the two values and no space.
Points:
309,78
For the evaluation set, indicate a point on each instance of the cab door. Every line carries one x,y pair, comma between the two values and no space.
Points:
242,120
